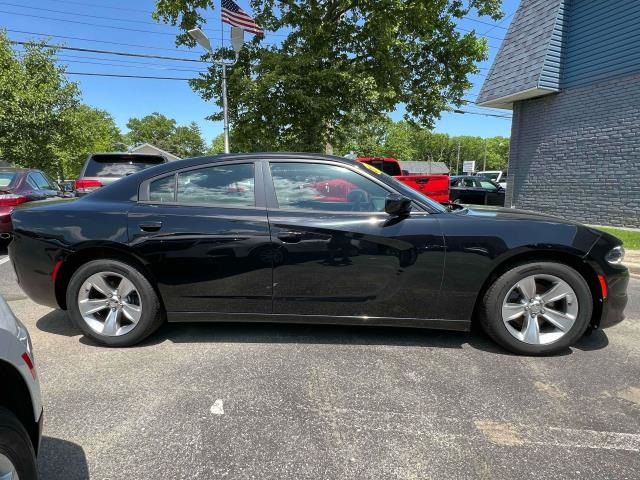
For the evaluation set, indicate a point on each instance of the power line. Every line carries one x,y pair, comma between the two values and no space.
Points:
148,66
63,12
485,23
498,25
137,30
109,52
126,76
97,41
123,63
479,34
99,17
95,5
483,114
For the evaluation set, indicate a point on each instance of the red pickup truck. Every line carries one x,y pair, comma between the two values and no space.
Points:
435,187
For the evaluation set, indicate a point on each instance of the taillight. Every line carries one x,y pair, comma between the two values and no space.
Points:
82,184
30,365
12,200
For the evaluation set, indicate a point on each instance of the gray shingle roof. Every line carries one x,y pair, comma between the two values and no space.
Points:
524,56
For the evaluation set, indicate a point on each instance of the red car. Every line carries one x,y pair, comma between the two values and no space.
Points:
18,186
434,186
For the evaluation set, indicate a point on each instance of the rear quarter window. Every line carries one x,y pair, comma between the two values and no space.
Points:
6,178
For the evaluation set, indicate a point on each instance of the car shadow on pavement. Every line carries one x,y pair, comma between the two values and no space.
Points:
58,323
62,460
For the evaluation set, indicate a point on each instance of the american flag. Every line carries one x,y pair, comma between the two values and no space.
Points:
235,16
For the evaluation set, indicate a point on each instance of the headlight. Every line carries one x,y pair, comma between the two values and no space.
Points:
615,256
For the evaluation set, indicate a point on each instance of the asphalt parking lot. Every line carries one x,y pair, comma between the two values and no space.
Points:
294,402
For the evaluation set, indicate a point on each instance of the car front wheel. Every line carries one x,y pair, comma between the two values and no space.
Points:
537,308
113,303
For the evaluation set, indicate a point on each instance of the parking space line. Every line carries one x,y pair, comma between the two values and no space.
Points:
4,260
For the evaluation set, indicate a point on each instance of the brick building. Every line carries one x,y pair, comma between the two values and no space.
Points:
570,71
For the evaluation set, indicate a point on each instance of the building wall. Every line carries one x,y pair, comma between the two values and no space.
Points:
602,41
576,154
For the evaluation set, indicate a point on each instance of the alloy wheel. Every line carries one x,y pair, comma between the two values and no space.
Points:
540,309
7,469
109,304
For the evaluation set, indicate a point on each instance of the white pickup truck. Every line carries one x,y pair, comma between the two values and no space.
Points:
497,176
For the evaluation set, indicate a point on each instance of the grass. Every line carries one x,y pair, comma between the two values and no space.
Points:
630,238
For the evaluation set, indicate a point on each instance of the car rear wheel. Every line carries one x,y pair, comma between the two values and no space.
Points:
537,308
17,456
113,303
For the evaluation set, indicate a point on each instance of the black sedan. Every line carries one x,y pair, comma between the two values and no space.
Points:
475,191
316,239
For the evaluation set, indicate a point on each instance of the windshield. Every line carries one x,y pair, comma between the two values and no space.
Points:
119,166
490,175
402,188
6,178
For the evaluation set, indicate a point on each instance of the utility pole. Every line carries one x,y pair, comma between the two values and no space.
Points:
484,166
458,160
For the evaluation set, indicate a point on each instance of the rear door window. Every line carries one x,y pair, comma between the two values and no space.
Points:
120,166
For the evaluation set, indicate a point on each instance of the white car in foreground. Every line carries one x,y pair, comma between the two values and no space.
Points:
20,401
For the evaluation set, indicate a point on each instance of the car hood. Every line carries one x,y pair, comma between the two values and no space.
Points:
512,214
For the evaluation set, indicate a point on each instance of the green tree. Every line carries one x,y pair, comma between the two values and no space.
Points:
187,141
164,133
339,57
217,145
35,101
89,130
154,128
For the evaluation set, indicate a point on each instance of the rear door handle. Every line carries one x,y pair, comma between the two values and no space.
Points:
290,237
150,226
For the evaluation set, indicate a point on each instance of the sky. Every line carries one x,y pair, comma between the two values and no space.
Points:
127,26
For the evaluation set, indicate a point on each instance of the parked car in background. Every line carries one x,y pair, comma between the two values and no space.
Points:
476,191
256,237
20,402
497,176
68,188
18,186
435,186
102,169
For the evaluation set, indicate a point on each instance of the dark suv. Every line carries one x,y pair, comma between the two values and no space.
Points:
102,169
475,190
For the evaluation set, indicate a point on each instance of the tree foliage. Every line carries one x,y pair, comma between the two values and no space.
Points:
35,101
42,122
89,130
340,58
407,141
164,133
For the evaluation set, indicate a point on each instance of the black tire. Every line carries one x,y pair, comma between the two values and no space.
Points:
153,315
16,445
490,312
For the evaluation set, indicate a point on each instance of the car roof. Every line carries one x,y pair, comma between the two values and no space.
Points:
226,157
17,169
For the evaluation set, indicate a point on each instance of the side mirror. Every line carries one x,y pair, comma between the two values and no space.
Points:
397,205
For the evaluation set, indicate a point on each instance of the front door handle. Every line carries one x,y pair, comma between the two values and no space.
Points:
150,226
290,237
